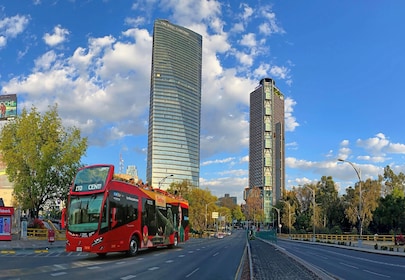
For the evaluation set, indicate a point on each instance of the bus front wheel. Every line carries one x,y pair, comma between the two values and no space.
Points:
133,246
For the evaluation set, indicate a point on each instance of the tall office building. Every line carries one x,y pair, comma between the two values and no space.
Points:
175,106
266,143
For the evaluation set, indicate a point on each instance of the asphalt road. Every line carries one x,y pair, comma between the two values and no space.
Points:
347,264
196,259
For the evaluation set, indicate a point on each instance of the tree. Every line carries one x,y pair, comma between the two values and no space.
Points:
201,203
41,156
327,196
394,184
183,188
370,195
254,205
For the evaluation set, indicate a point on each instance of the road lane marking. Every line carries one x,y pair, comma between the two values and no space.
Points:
128,277
214,255
192,272
153,268
348,265
58,273
169,261
378,274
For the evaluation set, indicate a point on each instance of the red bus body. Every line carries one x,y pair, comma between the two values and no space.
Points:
107,213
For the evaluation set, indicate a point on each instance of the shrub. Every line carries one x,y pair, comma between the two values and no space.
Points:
37,223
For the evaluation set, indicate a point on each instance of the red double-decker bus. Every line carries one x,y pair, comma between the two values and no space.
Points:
110,213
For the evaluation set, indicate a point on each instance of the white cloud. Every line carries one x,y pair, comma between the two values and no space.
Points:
58,37
379,145
280,72
270,27
225,160
248,40
290,121
11,27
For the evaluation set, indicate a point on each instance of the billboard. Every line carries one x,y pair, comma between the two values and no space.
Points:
8,106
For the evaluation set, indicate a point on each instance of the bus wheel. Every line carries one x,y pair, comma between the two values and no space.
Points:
101,255
175,243
133,246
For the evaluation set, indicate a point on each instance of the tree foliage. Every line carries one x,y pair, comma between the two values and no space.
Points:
41,157
254,205
370,195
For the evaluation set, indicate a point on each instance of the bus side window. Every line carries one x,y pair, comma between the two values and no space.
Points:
114,217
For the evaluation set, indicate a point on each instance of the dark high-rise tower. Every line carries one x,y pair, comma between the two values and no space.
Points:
175,106
266,143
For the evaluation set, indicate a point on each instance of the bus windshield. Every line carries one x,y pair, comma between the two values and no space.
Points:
84,213
91,179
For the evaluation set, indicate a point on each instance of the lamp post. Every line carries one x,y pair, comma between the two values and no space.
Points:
162,181
313,213
358,173
206,212
278,218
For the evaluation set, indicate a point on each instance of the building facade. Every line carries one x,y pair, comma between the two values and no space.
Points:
266,144
175,106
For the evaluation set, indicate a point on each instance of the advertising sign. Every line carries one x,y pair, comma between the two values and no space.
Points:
8,106
5,222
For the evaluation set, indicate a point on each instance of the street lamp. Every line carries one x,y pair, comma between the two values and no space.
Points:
206,212
358,173
162,181
278,218
313,212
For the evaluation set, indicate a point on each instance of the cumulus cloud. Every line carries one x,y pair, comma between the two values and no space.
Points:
11,27
290,121
58,37
380,145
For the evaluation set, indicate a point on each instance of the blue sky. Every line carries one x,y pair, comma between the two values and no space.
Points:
340,65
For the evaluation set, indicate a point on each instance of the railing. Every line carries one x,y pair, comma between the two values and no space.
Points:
43,234
342,237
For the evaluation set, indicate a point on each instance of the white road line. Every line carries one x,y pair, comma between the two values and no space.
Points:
153,268
128,277
378,274
192,272
58,273
181,256
169,261
120,262
217,253
348,265
93,267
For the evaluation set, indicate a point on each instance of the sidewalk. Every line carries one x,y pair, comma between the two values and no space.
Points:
18,244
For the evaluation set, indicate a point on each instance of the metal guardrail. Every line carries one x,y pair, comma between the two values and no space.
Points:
43,234
342,237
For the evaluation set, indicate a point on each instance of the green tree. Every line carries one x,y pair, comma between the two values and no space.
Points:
237,213
41,157
370,195
183,188
201,203
390,214
393,184
327,196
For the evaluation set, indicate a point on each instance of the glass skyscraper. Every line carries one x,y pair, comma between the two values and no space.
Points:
175,106
266,143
